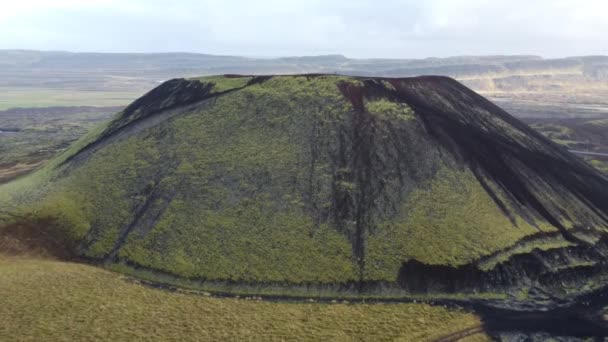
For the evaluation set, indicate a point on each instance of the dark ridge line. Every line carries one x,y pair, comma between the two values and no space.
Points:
443,129
313,75
116,126
233,76
499,203
362,131
359,151
149,212
255,79
313,207
573,160
525,128
140,212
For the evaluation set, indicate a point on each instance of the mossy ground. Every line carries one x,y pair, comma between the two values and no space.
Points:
450,222
51,300
287,180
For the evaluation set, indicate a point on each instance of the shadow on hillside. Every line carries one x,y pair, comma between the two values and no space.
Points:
29,236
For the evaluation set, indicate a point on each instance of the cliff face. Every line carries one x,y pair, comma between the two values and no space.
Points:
368,184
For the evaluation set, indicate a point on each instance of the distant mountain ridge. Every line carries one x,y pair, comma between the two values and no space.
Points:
147,68
178,60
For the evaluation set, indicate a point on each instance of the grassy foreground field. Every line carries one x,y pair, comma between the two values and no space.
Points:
59,301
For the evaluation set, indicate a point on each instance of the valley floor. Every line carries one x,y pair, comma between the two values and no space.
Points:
52,300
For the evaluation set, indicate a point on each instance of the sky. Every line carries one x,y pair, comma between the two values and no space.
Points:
272,28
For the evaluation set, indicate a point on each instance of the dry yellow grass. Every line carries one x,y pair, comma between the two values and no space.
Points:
59,301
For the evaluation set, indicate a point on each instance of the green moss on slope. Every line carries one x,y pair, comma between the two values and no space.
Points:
389,110
452,221
295,179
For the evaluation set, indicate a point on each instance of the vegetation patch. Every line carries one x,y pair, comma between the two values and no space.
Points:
316,180
50,300
441,226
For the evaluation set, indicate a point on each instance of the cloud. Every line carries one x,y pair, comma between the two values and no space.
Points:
358,28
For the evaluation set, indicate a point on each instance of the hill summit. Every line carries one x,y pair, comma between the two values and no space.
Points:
324,181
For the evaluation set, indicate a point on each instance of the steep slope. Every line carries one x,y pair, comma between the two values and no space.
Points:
325,183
